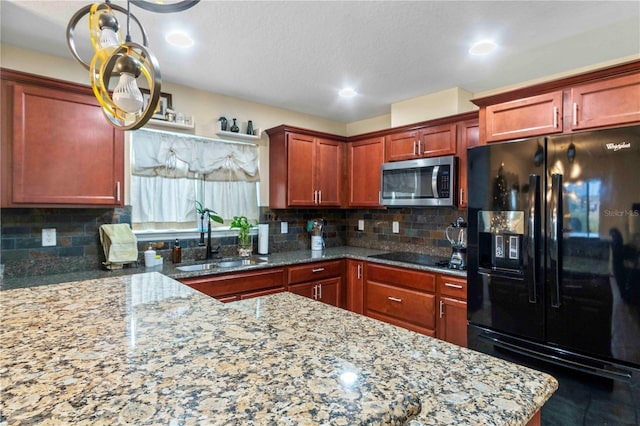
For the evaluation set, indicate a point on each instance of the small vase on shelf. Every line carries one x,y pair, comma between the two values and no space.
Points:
234,127
250,128
223,123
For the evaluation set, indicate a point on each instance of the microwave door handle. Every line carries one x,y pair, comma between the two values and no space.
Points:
434,181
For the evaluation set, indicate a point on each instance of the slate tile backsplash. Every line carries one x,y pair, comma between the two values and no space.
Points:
78,244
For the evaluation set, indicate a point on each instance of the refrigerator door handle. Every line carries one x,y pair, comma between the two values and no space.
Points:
555,233
534,220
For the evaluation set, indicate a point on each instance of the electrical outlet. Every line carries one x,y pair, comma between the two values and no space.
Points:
395,227
48,237
360,225
284,227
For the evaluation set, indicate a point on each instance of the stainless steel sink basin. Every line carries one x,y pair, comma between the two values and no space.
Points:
200,267
229,262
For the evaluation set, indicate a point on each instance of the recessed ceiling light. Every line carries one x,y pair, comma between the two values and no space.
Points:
347,92
179,39
483,47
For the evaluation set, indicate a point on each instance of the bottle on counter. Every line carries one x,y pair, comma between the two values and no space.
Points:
150,257
177,252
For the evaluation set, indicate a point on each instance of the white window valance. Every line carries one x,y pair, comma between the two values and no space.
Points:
173,155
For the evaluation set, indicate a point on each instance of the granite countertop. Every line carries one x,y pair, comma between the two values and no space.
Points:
145,349
273,260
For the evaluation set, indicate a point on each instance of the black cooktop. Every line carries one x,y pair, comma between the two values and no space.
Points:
415,258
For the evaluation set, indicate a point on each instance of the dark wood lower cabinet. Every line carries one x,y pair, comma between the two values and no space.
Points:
241,285
452,321
326,291
401,296
452,309
425,302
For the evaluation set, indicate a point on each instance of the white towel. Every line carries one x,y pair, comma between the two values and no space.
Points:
120,245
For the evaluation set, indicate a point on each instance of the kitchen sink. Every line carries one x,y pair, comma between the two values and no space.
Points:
200,267
227,262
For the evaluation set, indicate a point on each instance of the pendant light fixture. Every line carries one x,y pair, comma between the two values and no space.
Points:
117,56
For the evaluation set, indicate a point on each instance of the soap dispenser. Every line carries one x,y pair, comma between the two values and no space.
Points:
149,257
177,252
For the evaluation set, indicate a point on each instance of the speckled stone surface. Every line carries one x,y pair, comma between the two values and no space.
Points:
273,260
145,349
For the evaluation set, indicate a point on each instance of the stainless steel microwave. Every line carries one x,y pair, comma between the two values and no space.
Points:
421,182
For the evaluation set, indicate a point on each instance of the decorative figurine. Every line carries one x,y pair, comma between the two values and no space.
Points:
250,127
223,123
234,127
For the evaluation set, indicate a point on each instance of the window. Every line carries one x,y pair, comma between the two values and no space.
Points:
170,172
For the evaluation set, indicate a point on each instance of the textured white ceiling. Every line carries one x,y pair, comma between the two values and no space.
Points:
296,55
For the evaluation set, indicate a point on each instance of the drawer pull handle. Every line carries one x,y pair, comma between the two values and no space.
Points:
317,270
452,285
394,299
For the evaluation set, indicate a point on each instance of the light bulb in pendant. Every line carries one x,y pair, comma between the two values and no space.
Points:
108,31
127,95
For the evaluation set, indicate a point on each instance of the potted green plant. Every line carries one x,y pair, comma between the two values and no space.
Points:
245,247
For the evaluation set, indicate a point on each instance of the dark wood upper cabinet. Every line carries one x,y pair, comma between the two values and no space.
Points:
611,102
364,159
305,168
533,116
607,97
58,149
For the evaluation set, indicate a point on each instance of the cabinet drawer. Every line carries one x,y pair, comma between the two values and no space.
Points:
314,271
404,304
419,280
226,284
452,286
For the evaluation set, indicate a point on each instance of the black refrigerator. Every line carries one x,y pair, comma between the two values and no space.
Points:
554,249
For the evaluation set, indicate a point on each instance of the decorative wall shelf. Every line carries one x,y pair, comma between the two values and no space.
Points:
239,135
171,124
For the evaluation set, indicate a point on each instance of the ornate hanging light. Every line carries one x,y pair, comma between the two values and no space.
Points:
123,106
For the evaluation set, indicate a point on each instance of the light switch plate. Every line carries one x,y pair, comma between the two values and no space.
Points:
284,227
48,237
395,227
360,225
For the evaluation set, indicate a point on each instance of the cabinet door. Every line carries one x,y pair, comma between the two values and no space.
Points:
437,141
534,116
329,291
305,289
355,286
328,164
452,321
63,150
300,170
326,291
606,103
468,137
401,146
364,160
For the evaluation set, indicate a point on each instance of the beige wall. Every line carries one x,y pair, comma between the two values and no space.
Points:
434,105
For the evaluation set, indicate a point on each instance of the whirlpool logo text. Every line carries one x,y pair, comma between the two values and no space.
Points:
618,146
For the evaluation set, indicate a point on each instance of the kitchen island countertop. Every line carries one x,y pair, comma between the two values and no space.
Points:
145,349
